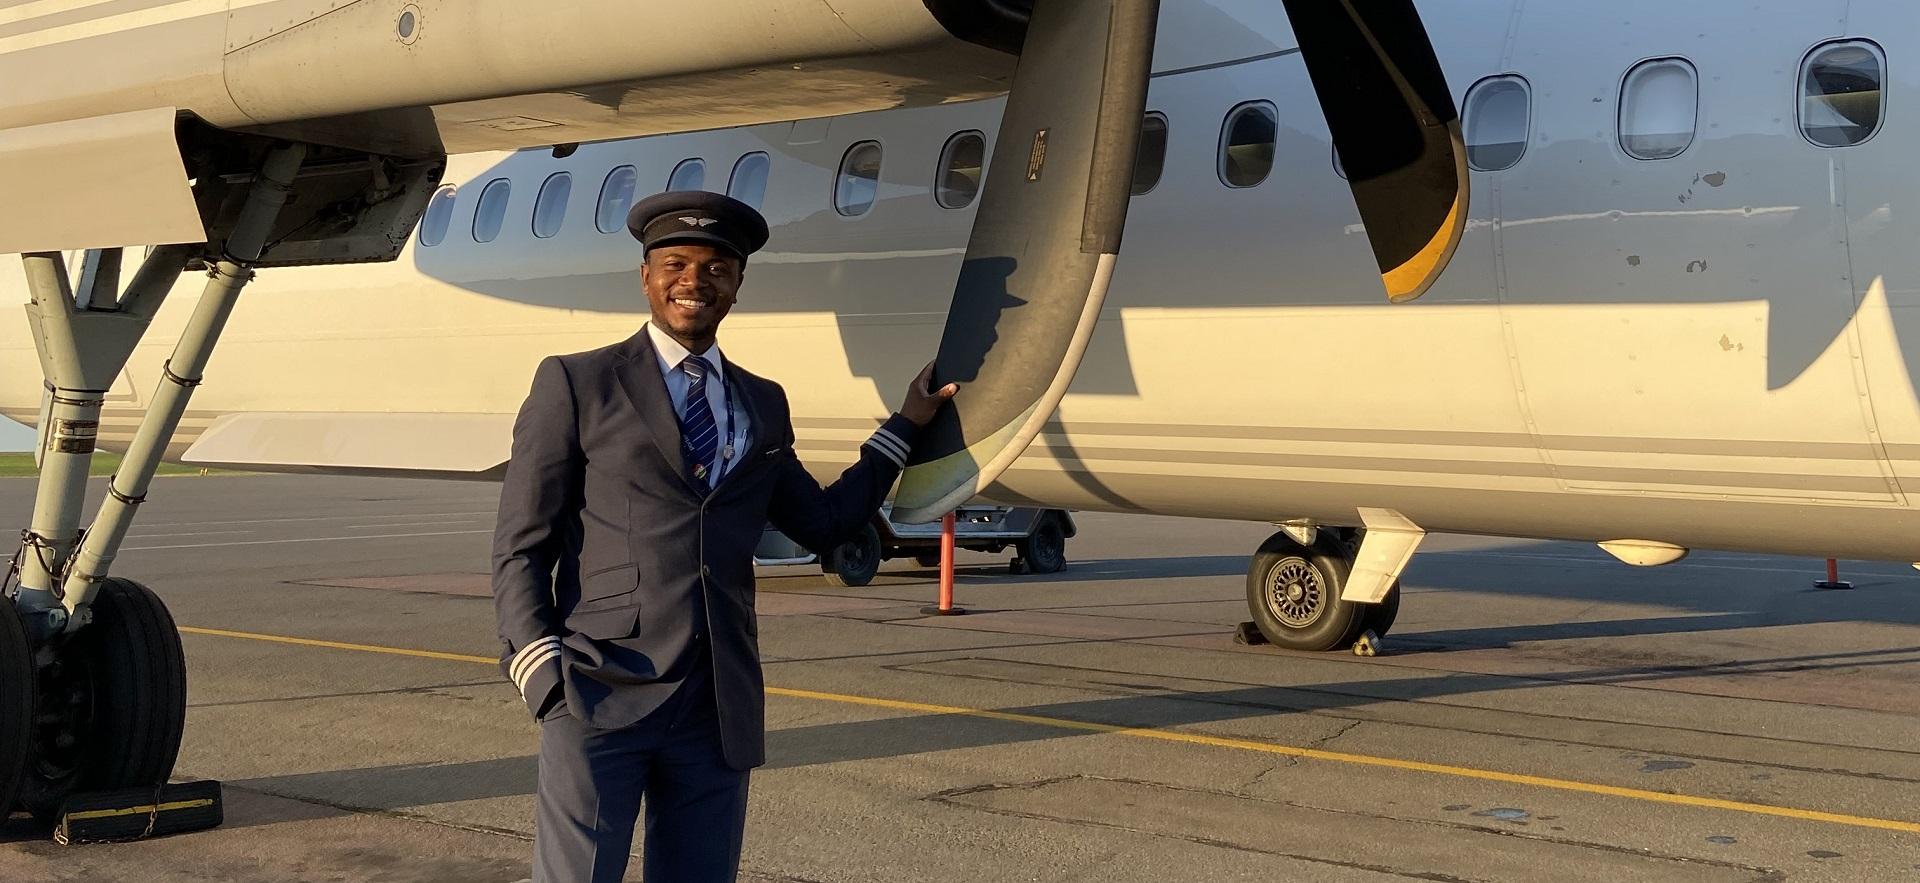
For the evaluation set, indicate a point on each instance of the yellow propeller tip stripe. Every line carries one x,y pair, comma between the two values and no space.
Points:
1412,278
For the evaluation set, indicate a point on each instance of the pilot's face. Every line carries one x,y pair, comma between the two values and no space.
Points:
691,288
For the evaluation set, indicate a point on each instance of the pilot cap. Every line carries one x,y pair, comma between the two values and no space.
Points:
688,216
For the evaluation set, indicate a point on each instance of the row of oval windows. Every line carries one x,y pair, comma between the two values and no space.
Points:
1841,103
1246,158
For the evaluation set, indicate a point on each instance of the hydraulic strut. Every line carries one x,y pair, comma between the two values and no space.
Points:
82,350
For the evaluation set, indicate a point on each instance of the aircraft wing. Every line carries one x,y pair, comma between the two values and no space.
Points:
167,104
418,78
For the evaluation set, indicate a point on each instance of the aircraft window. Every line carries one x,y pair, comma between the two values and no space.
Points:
1841,98
690,174
1659,104
492,210
859,179
1496,119
550,207
1246,144
962,164
439,216
616,196
1151,159
749,181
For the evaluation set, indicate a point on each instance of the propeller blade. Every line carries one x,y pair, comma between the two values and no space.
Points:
1043,245
1396,128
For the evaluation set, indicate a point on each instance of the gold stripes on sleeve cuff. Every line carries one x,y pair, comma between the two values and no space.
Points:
530,658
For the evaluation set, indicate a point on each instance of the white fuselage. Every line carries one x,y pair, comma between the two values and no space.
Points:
1710,350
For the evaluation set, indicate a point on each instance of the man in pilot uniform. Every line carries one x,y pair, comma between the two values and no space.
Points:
641,477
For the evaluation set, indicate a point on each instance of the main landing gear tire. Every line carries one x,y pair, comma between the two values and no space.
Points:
16,705
1293,595
1045,550
1379,617
854,562
114,705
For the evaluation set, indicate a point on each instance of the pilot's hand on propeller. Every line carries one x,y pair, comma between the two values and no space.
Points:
923,401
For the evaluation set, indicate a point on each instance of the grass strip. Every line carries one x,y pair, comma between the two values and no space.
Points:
104,463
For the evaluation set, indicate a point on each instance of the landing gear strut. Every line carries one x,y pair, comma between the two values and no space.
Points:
101,666
1294,596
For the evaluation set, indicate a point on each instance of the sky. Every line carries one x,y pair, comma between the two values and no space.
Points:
14,437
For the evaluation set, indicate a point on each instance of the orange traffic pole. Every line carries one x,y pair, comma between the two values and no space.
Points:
945,607
1833,580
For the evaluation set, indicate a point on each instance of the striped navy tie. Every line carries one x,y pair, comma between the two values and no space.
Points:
699,435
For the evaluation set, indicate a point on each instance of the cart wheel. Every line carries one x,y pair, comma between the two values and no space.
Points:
1045,551
854,562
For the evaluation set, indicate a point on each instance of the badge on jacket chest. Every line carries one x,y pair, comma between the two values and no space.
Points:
700,469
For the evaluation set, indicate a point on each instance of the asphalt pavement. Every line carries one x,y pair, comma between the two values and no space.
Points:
1541,712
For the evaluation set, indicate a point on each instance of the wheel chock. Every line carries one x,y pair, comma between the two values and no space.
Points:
138,813
1368,644
1249,634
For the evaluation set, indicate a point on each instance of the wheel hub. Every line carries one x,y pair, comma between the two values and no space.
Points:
61,724
1295,593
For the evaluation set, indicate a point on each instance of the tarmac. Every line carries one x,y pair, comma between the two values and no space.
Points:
1541,712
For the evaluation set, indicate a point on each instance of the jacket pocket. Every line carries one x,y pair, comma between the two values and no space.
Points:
609,582
609,624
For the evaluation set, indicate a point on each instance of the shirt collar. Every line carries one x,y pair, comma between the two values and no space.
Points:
671,354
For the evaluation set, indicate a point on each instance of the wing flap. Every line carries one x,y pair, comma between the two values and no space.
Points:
438,445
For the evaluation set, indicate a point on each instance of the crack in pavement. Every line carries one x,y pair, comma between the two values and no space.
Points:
953,798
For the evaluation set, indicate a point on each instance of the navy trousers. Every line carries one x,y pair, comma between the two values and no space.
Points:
592,783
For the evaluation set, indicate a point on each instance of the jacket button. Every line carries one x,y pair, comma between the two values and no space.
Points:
706,571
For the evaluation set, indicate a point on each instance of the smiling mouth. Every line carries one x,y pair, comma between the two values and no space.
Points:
690,303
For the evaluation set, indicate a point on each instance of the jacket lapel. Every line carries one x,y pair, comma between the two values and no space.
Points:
746,389
639,375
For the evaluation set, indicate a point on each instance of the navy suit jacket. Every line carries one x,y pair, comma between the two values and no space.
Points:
607,547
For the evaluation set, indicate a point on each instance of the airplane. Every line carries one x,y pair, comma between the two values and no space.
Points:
1658,262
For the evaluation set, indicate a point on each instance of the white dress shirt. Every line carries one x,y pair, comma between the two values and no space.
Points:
671,354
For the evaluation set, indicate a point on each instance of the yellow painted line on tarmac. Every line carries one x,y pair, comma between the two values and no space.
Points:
1181,737
341,645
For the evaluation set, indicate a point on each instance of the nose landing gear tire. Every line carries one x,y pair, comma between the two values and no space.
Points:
16,705
1293,595
114,705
